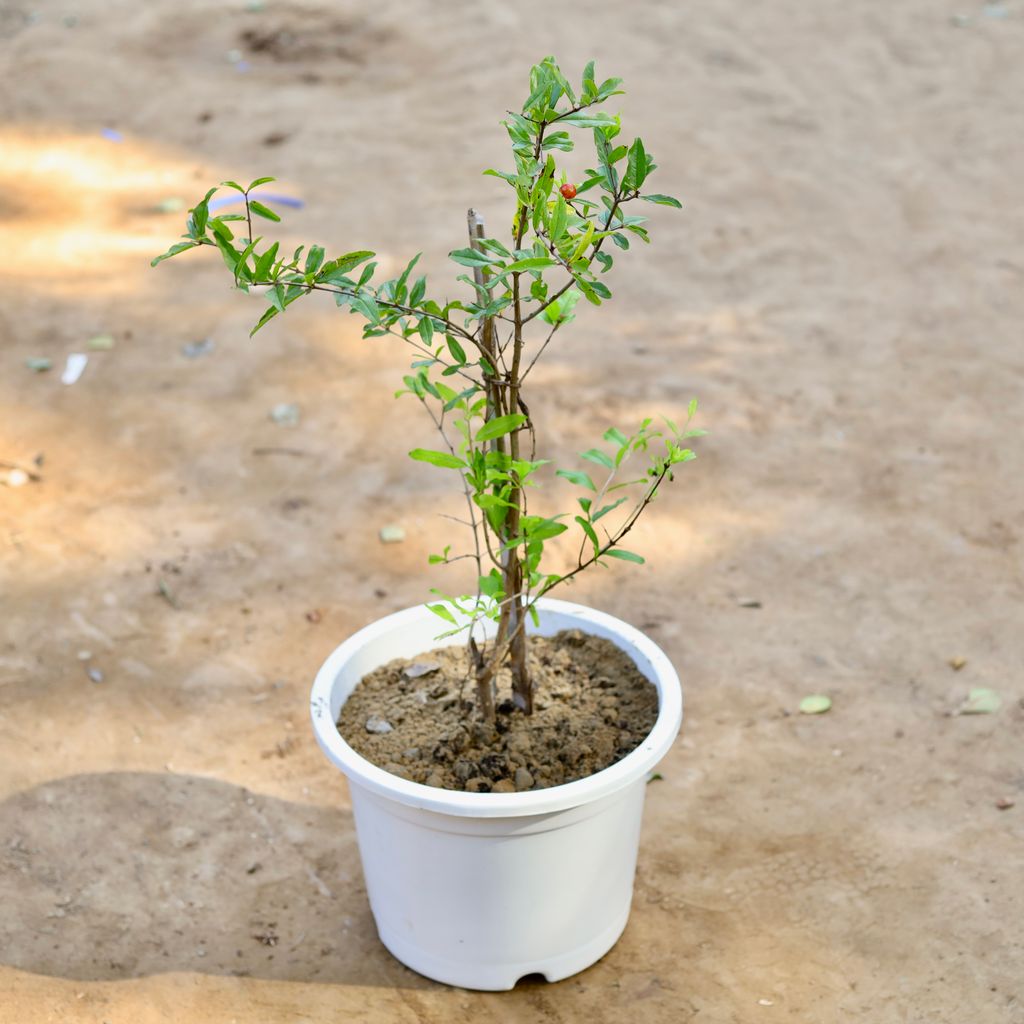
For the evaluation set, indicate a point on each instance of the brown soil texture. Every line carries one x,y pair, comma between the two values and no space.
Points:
842,291
592,707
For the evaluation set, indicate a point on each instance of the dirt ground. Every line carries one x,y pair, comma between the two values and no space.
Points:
843,292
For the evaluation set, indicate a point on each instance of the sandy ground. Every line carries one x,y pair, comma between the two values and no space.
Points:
843,292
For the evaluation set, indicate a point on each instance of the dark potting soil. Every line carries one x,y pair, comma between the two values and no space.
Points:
415,717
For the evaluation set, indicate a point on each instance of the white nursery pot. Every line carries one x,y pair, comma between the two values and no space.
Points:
480,889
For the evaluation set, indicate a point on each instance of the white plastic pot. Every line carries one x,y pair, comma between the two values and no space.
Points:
480,889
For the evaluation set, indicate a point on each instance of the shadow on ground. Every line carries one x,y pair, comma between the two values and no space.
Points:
126,874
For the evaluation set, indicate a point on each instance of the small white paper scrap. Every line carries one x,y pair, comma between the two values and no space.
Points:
74,368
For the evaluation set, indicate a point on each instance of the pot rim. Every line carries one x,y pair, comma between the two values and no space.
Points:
502,805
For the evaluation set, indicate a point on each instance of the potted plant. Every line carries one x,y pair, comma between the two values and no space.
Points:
483,862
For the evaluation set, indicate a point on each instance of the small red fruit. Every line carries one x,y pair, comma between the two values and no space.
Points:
568,191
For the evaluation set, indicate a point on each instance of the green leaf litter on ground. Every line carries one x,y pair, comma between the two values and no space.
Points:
40,364
815,704
981,701
101,343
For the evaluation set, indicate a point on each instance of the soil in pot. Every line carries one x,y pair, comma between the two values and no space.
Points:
415,718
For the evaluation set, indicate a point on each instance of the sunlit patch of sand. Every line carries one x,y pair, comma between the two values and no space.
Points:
84,211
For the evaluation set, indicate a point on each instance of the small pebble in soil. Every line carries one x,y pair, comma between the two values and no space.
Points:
195,349
378,725
420,668
1004,803
285,414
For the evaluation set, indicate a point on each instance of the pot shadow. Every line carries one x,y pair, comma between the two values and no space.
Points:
122,875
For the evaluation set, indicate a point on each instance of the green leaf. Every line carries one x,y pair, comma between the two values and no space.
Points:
636,167
444,459
561,310
608,508
576,477
589,86
493,245
314,258
242,265
262,211
220,228
264,320
677,454
491,585
275,296
343,264
662,200
500,426
510,178
559,219
426,329
400,284
200,216
981,701
626,556
253,184
609,87
589,531
584,242
472,258
443,613
613,434
585,120
588,291
594,455
531,263
367,305
544,530
264,263
227,251
457,351
815,704
234,185
173,251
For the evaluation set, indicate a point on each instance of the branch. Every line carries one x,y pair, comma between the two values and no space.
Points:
540,352
626,527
